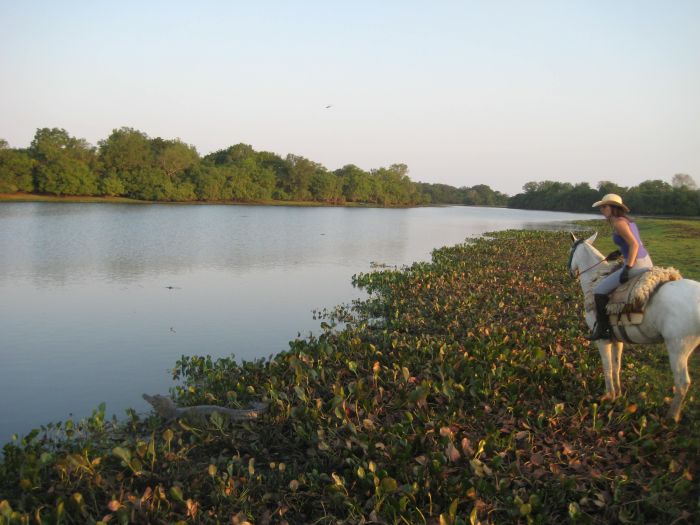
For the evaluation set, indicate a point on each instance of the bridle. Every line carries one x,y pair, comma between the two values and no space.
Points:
571,258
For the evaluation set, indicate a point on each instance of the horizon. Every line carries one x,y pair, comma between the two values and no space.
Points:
495,93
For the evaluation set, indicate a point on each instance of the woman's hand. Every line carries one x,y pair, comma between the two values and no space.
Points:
625,275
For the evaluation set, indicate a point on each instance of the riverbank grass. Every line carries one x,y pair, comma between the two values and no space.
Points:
34,197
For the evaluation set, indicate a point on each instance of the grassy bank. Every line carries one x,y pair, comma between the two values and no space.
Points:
33,197
461,392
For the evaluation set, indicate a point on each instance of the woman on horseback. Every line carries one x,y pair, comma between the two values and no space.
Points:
636,259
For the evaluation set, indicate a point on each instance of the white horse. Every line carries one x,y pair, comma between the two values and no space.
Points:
672,316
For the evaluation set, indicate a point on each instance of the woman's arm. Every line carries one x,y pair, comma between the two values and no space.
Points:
623,229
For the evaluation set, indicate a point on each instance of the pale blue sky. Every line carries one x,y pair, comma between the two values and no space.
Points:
476,92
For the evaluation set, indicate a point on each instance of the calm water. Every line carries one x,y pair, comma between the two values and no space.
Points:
98,301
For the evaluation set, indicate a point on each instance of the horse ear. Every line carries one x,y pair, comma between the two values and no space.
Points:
592,238
573,237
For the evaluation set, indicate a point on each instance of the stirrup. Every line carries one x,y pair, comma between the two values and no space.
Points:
600,332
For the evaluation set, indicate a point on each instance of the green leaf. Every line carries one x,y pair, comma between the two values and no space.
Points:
5,509
122,453
78,501
176,493
301,394
473,516
389,485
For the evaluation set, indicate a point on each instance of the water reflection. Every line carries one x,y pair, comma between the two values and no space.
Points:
53,244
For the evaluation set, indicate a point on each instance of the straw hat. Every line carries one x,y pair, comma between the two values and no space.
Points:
613,200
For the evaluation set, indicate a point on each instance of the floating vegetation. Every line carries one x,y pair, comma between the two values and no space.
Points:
475,400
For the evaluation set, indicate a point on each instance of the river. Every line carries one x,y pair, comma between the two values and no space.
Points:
98,301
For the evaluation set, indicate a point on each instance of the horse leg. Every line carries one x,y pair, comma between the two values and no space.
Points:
616,365
605,350
679,350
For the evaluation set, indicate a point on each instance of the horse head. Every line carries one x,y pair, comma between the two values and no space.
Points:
580,260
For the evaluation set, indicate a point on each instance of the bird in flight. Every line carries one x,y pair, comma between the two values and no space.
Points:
329,106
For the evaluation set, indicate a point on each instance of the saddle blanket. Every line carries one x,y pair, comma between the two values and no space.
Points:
627,302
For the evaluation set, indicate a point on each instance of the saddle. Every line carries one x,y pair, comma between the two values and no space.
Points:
627,301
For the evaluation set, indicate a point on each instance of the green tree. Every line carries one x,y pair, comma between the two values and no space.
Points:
173,157
326,187
231,155
63,164
150,184
394,187
183,191
111,184
244,175
126,149
300,171
123,156
580,198
483,195
443,193
605,187
16,167
209,181
545,195
264,181
355,183
684,201
240,185
274,164
650,197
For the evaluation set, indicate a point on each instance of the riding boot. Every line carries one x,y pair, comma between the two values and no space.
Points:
602,329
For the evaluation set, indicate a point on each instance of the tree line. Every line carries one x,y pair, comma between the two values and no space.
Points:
652,197
130,164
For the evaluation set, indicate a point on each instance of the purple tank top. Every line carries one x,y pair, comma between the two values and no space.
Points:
624,247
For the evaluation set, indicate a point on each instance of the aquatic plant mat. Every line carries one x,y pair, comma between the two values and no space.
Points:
461,391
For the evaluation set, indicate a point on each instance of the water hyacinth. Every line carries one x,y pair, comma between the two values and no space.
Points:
461,391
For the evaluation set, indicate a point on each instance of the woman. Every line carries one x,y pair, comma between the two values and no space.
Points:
636,259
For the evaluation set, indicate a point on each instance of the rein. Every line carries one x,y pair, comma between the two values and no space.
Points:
571,257
578,274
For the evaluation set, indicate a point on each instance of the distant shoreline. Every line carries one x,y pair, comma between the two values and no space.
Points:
87,199
35,197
